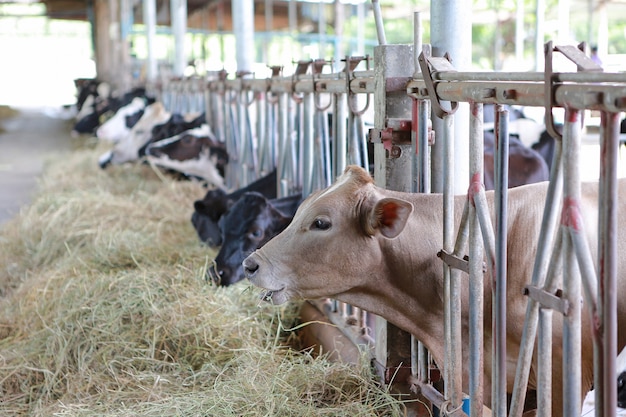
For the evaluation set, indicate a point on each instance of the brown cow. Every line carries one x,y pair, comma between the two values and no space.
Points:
376,249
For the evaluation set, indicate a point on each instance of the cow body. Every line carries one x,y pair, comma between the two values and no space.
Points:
119,125
98,103
247,225
526,166
377,249
194,153
127,150
209,210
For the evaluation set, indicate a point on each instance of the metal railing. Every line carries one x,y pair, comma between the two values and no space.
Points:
282,122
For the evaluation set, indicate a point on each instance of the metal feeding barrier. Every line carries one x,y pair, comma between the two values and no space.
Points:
283,122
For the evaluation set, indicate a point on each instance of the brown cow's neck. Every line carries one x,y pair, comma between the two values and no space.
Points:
404,283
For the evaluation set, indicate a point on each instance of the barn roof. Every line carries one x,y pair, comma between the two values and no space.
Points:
203,14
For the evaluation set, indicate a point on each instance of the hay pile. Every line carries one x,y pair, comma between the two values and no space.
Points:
104,311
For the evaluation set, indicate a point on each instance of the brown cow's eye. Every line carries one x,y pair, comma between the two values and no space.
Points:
320,224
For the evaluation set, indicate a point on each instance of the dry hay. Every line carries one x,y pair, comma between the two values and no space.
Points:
105,312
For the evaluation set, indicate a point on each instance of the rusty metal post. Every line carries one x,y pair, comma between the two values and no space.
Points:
498,397
605,382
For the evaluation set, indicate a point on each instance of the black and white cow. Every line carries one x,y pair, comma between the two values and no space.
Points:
98,102
91,103
620,364
127,150
118,127
176,125
155,124
246,226
209,210
194,153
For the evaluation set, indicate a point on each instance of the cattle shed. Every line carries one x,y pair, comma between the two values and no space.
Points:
415,116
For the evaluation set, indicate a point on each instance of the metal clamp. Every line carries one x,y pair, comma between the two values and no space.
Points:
351,64
437,64
548,300
316,69
583,64
301,69
276,72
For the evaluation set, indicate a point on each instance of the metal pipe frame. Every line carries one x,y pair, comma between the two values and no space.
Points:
571,256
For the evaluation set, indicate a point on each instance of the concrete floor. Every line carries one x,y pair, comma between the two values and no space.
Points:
28,137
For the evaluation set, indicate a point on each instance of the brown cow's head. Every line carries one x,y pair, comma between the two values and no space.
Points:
333,243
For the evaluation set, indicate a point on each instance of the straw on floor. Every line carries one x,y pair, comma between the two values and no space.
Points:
104,311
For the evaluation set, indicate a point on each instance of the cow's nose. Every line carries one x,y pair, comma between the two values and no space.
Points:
105,160
153,151
250,266
225,273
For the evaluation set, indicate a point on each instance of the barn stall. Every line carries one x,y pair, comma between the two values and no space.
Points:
401,105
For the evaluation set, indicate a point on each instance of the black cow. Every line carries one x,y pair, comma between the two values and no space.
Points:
621,390
215,203
245,227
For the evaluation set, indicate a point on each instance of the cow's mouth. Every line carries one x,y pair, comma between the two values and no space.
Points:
267,295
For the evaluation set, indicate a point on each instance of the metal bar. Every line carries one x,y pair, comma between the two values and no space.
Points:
596,91
307,145
283,138
546,299
544,363
499,293
420,176
609,97
378,19
339,134
544,339
571,274
540,268
452,295
476,274
434,396
605,382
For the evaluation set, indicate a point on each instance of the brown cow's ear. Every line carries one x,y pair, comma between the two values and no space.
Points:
389,216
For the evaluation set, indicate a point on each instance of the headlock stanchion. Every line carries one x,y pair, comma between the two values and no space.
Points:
282,122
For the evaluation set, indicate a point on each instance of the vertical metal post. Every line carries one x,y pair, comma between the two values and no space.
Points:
178,9
283,140
307,144
262,138
571,275
452,284
378,19
149,20
339,134
605,382
392,171
499,305
476,256
420,177
446,17
243,26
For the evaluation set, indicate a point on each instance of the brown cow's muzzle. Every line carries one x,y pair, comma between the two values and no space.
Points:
250,267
